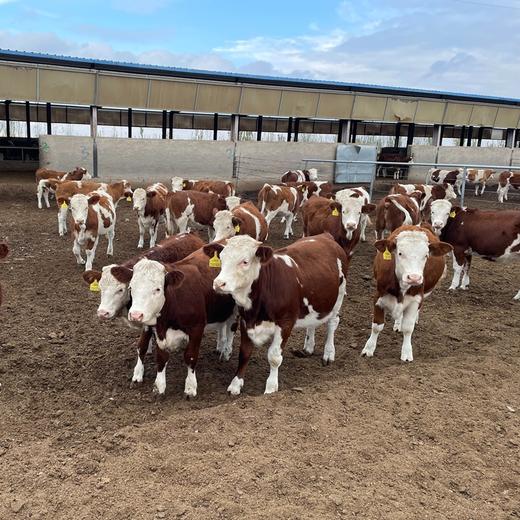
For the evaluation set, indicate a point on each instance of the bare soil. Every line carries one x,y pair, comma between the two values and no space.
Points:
437,438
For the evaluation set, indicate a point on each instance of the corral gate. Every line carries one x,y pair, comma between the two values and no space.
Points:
346,173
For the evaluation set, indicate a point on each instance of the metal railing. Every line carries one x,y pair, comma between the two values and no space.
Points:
464,168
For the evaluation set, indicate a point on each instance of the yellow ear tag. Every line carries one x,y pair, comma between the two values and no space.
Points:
387,255
129,199
453,214
184,184
214,261
335,212
94,286
237,229
64,205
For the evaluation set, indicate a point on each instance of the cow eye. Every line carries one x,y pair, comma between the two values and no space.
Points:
244,262
157,290
120,290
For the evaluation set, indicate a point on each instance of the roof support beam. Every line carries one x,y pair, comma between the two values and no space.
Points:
164,118
289,130
49,118
470,135
259,122
28,119
170,123
215,126
7,119
129,122
480,135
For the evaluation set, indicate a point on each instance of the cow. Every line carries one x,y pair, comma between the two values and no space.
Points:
115,293
178,300
192,207
65,190
150,205
244,219
300,175
342,217
310,188
283,200
302,286
429,193
493,235
222,188
4,250
43,176
232,202
94,215
396,210
453,177
407,267
505,181
479,178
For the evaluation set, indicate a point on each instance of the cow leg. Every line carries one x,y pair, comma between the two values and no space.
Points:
288,226
142,349
269,217
377,326
182,223
110,238
500,191
465,277
246,348
90,249
62,221
329,352
506,192
476,189
39,194
275,358
363,223
161,356
76,249
191,355
517,296
140,244
407,328
153,230
46,198
310,341
458,267
225,339
482,189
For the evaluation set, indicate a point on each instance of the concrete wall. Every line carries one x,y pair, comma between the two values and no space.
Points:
63,153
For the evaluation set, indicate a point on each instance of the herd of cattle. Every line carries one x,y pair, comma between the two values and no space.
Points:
182,287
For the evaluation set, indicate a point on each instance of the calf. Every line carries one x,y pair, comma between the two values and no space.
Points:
493,235
480,178
244,219
300,175
93,215
341,217
150,205
115,293
308,189
453,177
505,181
407,267
302,285
4,250
43,176
283,200
394,211
179,301
195,207
222,188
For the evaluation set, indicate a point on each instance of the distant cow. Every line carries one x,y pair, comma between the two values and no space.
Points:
480,178
43,175
93,215
407,267
222,188
115,294
310,188
276,200
150,205
505,181
4,250
493,235
244,219
453,177
429,193
300,175
394,211
192,207
299,286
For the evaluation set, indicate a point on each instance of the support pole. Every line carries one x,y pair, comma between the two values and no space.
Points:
462,136
353,133
289,130
463,187
7,118
235,121
259,123
480,135
215,126
510,138
164,118
49,118
397,134
436,136
28,118
470,135
411,134
129,122
170,123
93,134
296,129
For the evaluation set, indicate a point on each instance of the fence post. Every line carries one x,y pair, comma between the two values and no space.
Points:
463,188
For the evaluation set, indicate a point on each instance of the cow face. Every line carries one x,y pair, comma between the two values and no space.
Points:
450,192
79,210
313,174
232,202
177,184
147,290
139,197
240,260
84,172
351,210
223,225
127,189
440,213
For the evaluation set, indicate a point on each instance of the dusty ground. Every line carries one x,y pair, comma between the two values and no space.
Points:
438,438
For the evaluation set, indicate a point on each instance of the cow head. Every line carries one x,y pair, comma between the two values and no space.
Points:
232,202
177,183
79,208
441,211
241,259
450,192
127,189
411,249
139,197
225,224
313,174
350,207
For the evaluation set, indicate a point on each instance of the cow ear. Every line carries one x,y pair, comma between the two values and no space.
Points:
368,208
91,276
174,278
151,194
440,248
385,245
236,221
265,253
333,205
122,274
211,249
94,199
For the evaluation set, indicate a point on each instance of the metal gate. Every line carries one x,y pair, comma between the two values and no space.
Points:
346,173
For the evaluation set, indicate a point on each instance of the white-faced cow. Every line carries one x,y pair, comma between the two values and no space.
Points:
394,211
453,177
407,267
507,180
45,188
300,175
302,285
493,235
244,219
150,205
276,200
222,188
308,189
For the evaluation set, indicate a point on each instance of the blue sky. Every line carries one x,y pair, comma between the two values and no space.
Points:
457,45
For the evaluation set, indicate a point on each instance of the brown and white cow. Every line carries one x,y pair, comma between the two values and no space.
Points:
342,218
115,293
192,207
276,200
178,300
44,175
505,181
479,178
453,177
222,188
302,286
150,205
4,250
493,235
407,267
300,175
244,219
94,215
394,211
310,188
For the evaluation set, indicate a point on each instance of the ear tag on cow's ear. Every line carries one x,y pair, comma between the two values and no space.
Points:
237,228
214,261
129,199
453,214
184,184
94,286
387,255
64,205
335,212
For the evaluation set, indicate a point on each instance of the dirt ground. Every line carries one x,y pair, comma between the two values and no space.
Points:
372,439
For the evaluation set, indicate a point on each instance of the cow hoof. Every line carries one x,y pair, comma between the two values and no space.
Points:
224,356
366,353
135,383
301,353
236,386
157,396
326,361
188,397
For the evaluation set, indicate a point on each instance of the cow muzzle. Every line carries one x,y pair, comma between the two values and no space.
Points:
219,286
413,279
104,314
136,316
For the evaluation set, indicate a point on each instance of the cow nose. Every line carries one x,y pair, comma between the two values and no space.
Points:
103,314
136,316
437,224
218,284
414,278
351,225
